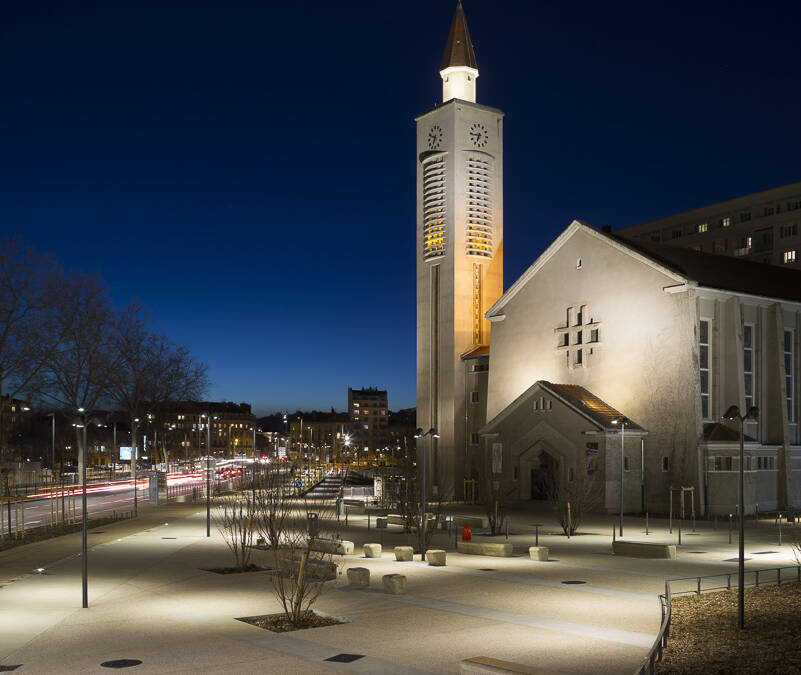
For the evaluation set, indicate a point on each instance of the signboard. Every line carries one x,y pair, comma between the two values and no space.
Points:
125,453
497,457
281,451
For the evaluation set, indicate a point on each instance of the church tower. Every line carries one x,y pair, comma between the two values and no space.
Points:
459,255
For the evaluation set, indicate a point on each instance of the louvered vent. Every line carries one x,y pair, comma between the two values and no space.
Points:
479,206
434,208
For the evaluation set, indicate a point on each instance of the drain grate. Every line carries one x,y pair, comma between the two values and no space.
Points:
574,582
764,552
697,552
735,559
169,537
346,658
98,532
120,663
8,669
487,569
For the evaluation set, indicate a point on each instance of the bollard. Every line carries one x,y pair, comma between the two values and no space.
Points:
613,533
715,526
693,521
368,522
646,523
346,517
507,528
730,529
536,535
756,515
679,533
670,522
780,529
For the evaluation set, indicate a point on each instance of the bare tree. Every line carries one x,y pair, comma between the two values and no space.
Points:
301,562
151,370
78,373
572,499
233,516
29,333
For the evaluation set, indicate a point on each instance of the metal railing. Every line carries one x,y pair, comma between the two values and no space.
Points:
697,585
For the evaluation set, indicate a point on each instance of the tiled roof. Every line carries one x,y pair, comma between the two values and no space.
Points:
721,271
481,350
459,49
715,431
596,409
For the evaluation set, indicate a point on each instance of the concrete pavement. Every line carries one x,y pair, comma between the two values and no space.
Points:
150,600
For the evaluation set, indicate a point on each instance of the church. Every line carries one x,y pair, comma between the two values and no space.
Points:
612,359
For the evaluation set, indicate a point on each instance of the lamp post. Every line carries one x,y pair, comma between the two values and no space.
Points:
208,475
52,415
424,522
84,563
733,413
622,421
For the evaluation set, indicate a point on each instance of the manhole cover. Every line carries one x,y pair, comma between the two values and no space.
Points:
120,663
735,559
8,669
697,552
346,658
764,552
169,537
98,532
487,569
574,582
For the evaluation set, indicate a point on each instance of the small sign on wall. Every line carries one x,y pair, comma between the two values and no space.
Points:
497,457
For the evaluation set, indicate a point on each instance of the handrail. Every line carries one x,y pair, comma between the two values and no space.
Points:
655,653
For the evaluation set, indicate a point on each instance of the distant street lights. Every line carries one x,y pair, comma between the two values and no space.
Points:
622,421
424,522
733,413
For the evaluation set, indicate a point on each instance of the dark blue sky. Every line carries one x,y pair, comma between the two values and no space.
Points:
246,169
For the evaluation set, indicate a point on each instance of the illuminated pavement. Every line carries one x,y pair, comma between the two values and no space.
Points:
149,600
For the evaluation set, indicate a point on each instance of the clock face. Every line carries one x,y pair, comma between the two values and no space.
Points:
434,137
478,135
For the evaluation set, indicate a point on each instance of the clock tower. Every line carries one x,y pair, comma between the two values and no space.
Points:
459,258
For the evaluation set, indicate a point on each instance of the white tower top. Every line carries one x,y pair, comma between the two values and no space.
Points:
459,70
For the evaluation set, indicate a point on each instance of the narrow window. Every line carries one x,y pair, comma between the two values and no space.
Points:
474,439
626,464
748,365
789,372
474,397
703,354
578,357
666,464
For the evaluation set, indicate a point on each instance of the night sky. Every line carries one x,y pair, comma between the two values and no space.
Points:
247,169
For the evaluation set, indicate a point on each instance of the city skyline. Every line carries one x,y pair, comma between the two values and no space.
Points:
205,163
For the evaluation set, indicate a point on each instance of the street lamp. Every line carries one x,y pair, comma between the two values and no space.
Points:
53,445
733,413
424,523
622,421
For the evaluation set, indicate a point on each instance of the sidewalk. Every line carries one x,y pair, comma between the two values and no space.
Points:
150,600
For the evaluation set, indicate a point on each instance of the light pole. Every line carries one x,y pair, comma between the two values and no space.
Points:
424,522
52,415
84,562
622,421
733,413
208,475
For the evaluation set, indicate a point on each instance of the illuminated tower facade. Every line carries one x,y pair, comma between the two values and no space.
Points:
459,255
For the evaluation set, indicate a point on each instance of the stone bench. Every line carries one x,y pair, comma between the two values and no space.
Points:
337,546
485,664
394,584
381,522
641,549
539,553
395,519
497,549
436,557
404,553
372,550
469,521
358,576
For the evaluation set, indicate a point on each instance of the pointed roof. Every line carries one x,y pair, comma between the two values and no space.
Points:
459,50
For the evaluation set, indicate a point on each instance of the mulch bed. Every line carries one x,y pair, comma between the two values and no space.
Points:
704,637
278,623
236,570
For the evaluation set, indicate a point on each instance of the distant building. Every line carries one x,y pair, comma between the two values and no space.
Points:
317,435
370,418
762,227
183,428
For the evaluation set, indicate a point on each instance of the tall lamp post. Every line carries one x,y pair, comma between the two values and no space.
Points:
52,415
424,522
208,475
733,413
84,563
622,421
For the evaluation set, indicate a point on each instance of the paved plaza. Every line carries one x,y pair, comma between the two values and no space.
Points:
151,600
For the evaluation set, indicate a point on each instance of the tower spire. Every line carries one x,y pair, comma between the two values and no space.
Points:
459,69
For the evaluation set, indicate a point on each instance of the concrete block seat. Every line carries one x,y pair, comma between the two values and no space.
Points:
394,584
404,553
497,549
358,576
316,569
539,553
436,557
337,546
476,522
642,549
372,550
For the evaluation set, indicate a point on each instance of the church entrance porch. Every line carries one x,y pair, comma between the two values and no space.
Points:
544,476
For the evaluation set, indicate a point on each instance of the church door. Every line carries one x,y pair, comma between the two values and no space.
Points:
544,477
